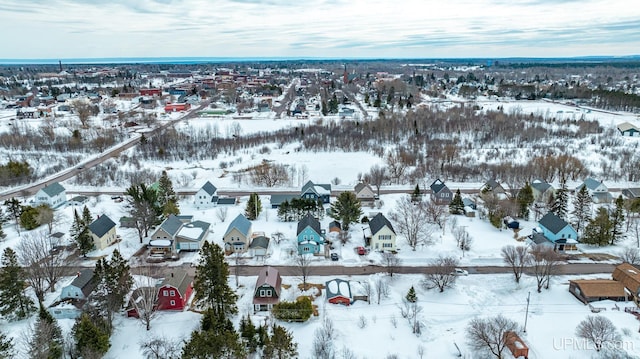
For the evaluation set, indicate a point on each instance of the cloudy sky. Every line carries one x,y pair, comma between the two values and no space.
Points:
58,29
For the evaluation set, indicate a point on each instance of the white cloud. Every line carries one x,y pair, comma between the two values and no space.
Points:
324,28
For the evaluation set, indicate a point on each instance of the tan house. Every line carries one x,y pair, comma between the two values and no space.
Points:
629,276
383,237
238,235
103,232
365,194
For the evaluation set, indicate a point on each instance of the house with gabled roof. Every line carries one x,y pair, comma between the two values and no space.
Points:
52,195
631,193
493,186
175,291
339,292
191,235
310,235
176,234
81,287
629,129
382,236
316,191
542,190
259,246
206,196
103,232
440,193
267,290
629,276
365,194
595,290
237,236
597,190
558,232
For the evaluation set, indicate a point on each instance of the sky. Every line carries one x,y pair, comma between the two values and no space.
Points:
59,29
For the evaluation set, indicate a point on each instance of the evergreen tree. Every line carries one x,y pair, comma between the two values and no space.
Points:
6,346
254,207
47,341
280,345
87,218
215,339
525,199
15,209
210,283
76,226
89,337
346,209
144,208
249,334
84,241
2,234
167,198
416,195
114,283
284,211
14,303
598,231
581,209
28,218
456,206
617,220
559,207
411,295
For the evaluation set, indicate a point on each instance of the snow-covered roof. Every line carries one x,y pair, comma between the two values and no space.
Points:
160,243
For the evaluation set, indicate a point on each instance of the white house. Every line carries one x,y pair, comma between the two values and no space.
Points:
597,190
53,195
383,236
206,196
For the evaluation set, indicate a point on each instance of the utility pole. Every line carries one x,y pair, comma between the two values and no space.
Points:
526,316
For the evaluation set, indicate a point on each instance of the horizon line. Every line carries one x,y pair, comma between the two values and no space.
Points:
207,59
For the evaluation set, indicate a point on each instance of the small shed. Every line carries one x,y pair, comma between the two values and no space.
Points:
338,292
516,345
593,290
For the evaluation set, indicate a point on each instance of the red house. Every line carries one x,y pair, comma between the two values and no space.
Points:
175,107
175,291
150,92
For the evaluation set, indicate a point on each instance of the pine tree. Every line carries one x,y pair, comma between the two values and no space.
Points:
254,207
89,337
457,205
14,303
84,241
2,235
167,198
114,283
6,346
87,218
76,226
598,231
346,209
559,207
525,199
47,341
249,334
581,209
284,211
280,344
215,339
210,283
617,221
15,209
411,295
28,218
416,195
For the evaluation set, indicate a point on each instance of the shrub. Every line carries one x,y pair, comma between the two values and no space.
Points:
298,311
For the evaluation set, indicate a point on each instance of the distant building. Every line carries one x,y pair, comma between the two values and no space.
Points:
53,195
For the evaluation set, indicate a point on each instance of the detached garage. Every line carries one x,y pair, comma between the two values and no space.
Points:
191,236
593,290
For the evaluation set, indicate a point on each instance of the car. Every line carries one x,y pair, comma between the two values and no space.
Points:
80,168
361,251
459,271
334,256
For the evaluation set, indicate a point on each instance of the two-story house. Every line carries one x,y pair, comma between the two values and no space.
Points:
103,232
267,290
440,193
175,291
383,236
557,231
310,235
238,235
597,190
365,194
316,191
207,196
52,195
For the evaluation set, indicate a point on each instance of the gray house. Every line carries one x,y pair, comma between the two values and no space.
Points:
81,286
541,190
597,190
440,193
259,245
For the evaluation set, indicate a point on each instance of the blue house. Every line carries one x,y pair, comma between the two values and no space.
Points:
557,231
309,234
316,191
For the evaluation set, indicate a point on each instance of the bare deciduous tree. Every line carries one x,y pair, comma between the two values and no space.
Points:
463,239
158,347
303,264
441,274
376,176
411,312
277,237
367,290
487,335
630,255
517,258
221,213
43,266
411,221
381,287
83,109
269,174
544,262
598,330
144,301
436,214
391,262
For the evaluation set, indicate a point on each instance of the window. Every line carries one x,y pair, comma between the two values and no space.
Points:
387,245
173,293
173,302
265,292
304,238
384,237
305,249
165,293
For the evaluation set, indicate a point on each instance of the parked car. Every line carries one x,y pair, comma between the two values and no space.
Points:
361,251
460,271
334,256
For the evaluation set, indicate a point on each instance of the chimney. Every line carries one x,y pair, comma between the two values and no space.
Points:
78,274
171,274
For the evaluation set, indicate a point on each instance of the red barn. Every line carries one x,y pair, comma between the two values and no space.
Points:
150,92
175,291
175,107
